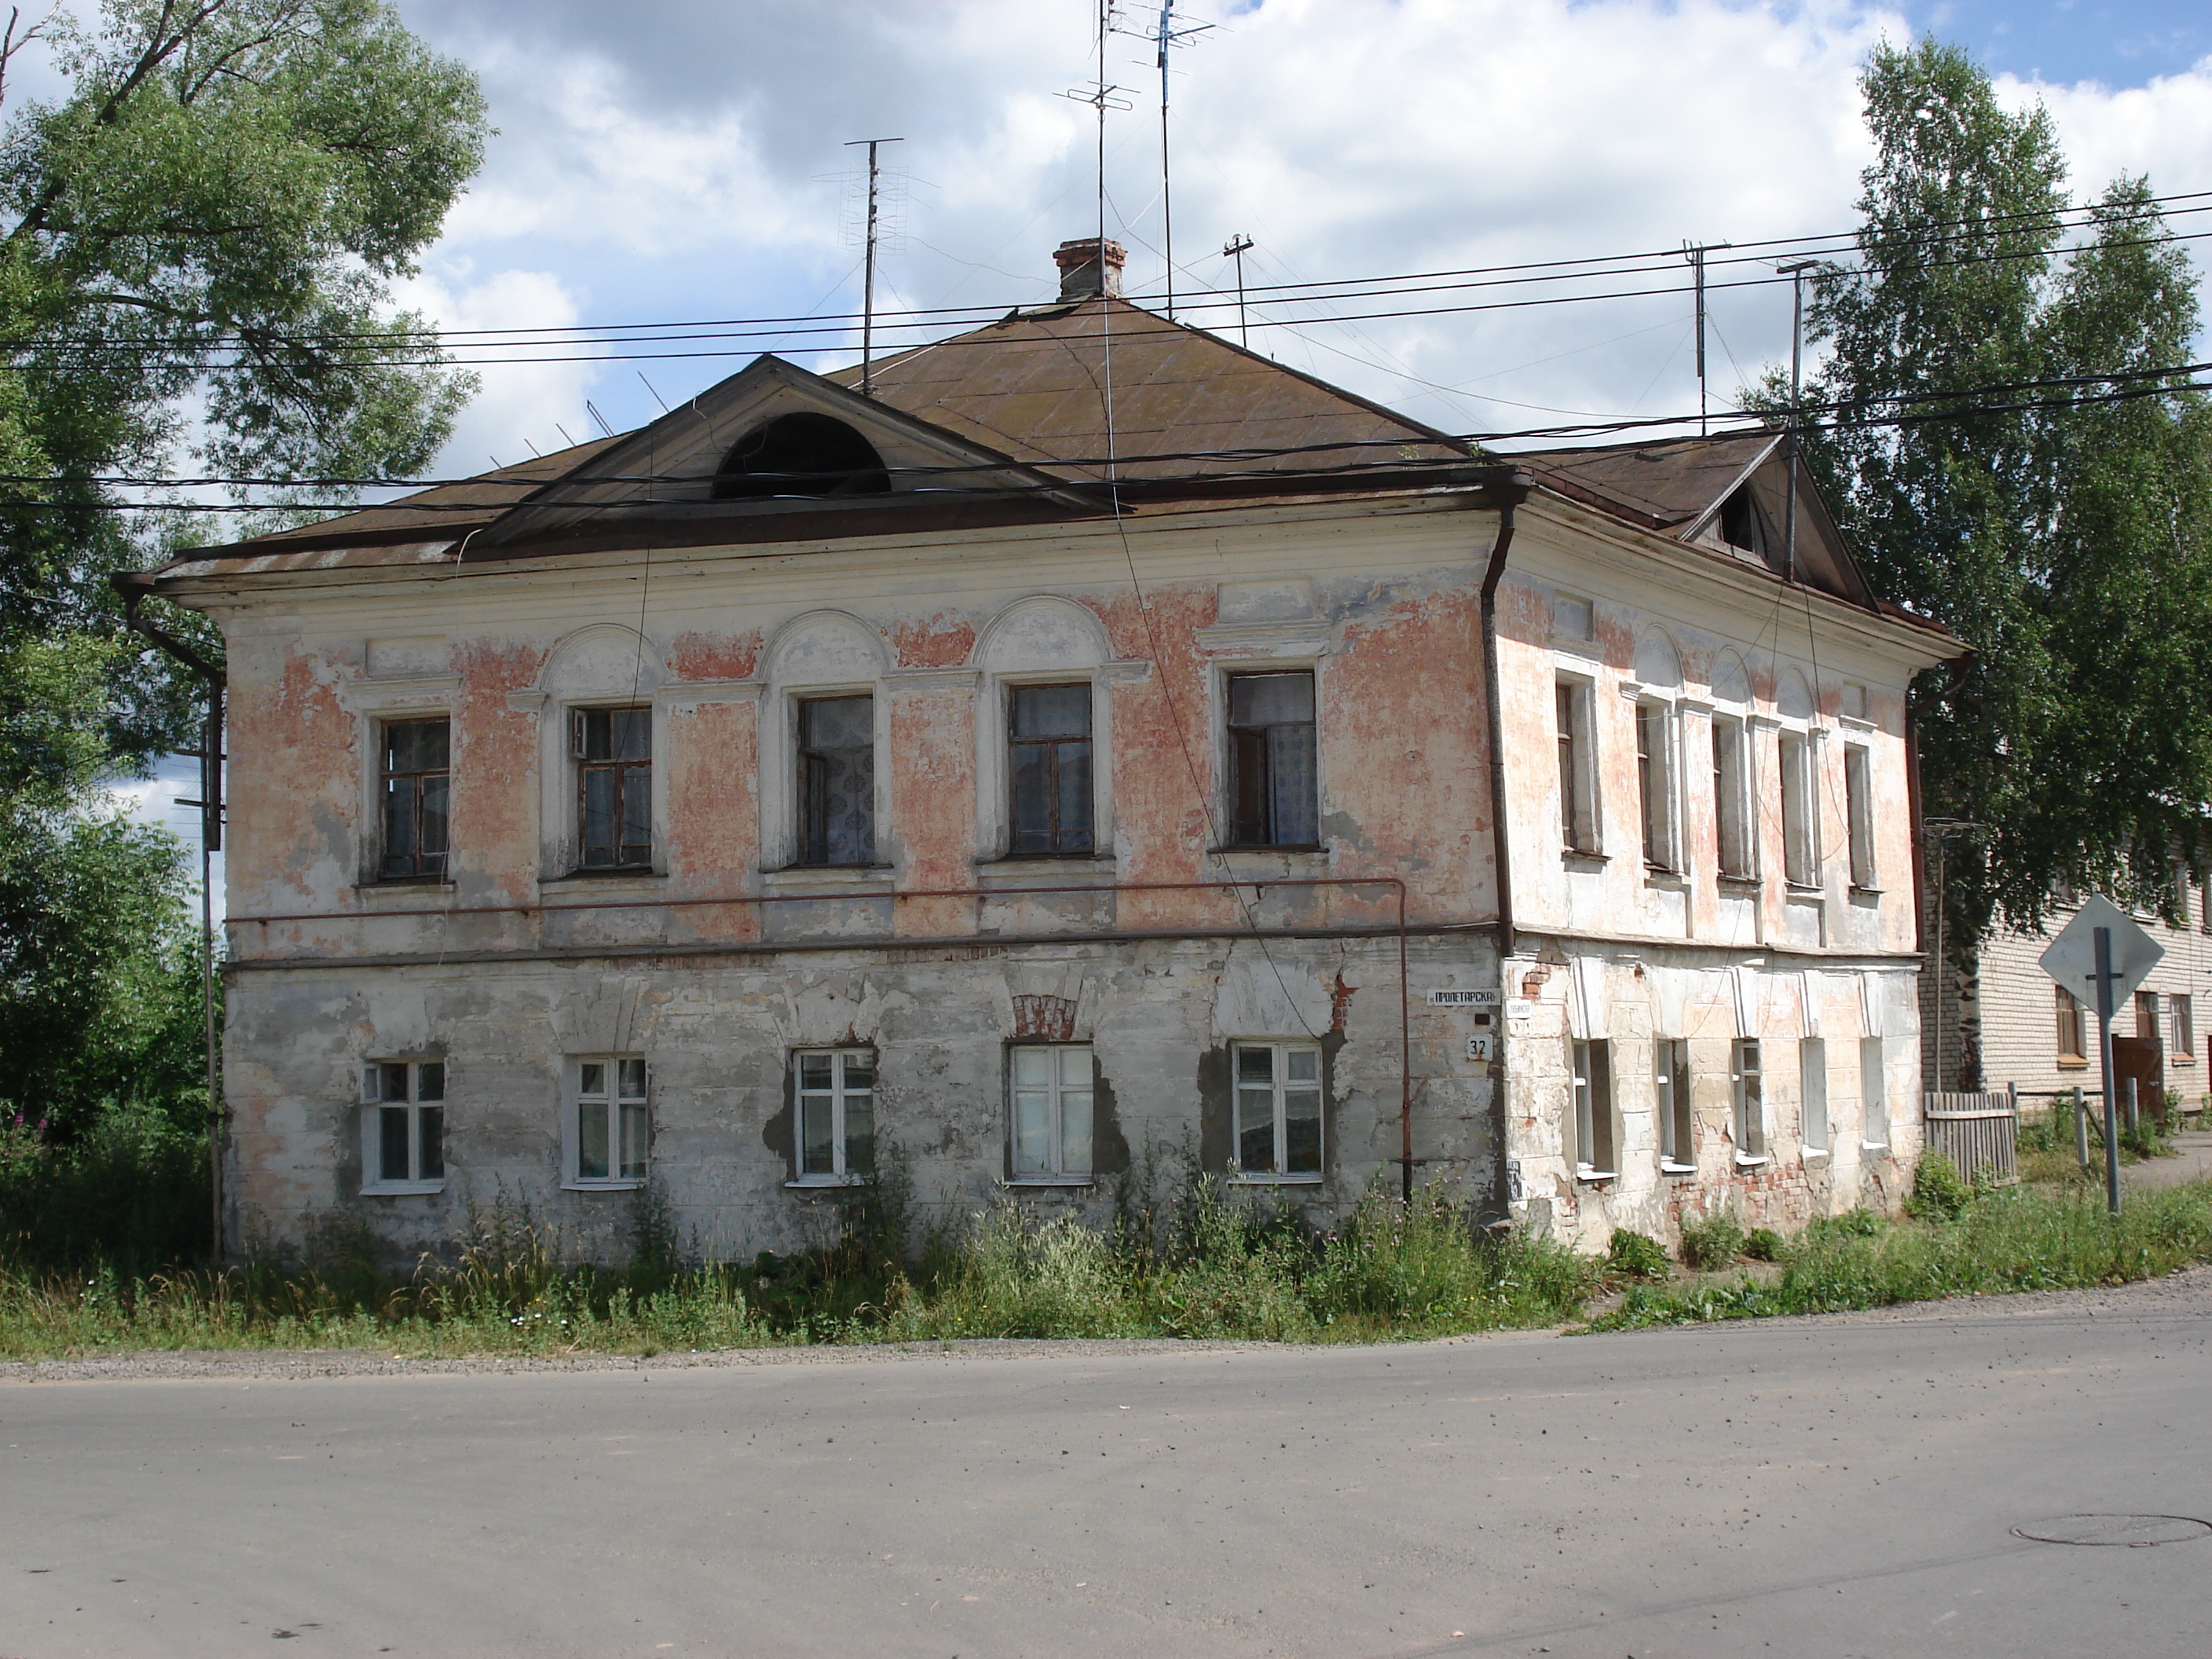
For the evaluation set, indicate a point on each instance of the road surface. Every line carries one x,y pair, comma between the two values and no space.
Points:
1802,1487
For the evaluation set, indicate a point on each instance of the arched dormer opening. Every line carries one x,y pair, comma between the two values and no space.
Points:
801,454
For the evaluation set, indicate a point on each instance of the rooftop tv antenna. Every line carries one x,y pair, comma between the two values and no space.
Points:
1795,272
1164,36
868,282
1234,248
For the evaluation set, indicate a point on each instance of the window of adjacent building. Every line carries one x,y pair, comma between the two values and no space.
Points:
1858,813
1273,793
837,781
834,1091
609,1126
613,750
1051,1084
2147,1015
1750,1090
1732,797
1655,784
417,780
1873,1093
2073,1040
1578,822
1800,855
1670,1078
1048,767
1278,1109
1813,1093
402,1126
1593,1088
2182,1013
2181,886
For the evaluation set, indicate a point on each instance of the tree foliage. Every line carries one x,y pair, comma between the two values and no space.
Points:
197,243
2066,536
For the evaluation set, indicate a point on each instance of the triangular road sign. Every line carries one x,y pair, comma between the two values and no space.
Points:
2072,957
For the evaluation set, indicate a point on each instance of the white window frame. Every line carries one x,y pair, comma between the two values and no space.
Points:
375,1102
1590,1071
1582,821
1059,1096
1858,814
1658,790
614,1094
1816,1132
839,1096
1747,1083
1873,1095
1282,1085
1800,809
1670,1085
1735,823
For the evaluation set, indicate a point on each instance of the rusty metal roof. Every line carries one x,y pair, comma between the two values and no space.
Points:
1033,385
1666,484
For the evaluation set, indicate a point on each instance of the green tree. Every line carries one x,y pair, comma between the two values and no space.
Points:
197,248
2068,542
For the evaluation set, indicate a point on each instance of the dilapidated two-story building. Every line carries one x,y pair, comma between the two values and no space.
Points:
1084,740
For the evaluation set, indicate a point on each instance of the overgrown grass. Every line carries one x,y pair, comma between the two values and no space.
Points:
1209,1263
2015,1238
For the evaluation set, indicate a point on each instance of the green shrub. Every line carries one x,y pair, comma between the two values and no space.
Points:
1859,1223
1711,1241
1939,1192
1763,1244
1634,1256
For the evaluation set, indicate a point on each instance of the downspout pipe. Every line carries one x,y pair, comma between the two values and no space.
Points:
1514,491
134,586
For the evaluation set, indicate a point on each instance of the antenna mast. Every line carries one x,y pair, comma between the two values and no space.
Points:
868,282
1234,249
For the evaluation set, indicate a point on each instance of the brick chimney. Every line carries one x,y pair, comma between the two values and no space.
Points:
1079,268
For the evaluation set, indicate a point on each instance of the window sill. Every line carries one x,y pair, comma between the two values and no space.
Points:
1594,1177
1243,1180
1666,1169
1881,1146
1747,886
1801,891
401,1188
1816,1154
628,1186
2066,1064
1576,858
1241,850
1666,880
1750,1160
1860,892
1032,1183
403,883
826,1184
1070,869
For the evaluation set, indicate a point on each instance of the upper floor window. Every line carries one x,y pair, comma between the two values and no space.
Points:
609,1125
1578,821
2072,1039
402,1126
613,751
1278,1109
1052,1090
2183,1011
1800,859
1048,769
1655,784
801,454
1274,794
416,778
1858,812
1732,799
834,1091
837,781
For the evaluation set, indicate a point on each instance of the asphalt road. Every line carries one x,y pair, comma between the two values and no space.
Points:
1801,1488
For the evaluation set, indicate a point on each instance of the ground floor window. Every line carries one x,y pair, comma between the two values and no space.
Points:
1750,1087
1593,1088
1051,1084
1813,1093
1670,1078
609,1123
402,1126
1278,1109
1873,1093
835,1109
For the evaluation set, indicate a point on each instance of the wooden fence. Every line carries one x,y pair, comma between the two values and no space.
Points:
1975,1132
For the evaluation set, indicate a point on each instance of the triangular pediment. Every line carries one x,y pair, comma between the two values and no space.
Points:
672,465
1749,519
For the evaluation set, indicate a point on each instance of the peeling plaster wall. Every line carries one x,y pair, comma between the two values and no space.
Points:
517,961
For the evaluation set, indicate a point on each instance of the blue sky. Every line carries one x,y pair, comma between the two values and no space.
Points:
2120,46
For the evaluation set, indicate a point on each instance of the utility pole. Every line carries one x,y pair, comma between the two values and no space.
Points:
1234,249
1696,255
868,282
1795,273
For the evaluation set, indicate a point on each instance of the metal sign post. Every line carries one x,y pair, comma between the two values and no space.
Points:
2103,951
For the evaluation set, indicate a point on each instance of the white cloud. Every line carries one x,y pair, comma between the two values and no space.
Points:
521,403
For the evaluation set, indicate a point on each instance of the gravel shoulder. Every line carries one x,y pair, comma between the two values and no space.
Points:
2184,1294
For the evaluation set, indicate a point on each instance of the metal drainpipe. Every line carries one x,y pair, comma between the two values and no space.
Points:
134,586
1501,841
